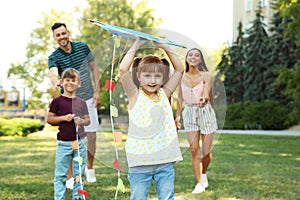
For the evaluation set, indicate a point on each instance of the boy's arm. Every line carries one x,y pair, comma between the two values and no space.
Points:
54,119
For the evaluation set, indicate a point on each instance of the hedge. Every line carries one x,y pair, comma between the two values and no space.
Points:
19,126
267,115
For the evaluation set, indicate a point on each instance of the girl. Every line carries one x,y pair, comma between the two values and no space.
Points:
152,144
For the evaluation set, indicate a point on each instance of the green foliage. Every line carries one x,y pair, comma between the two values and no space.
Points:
119,13
290,78
34,70
290,8
266,115
234,116
231,67
256,69
259,67
19,126
283,54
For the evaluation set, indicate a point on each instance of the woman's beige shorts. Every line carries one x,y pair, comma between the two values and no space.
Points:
196,118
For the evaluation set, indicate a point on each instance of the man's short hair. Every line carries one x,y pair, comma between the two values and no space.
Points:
57,25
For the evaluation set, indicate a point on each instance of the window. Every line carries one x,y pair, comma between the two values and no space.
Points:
248,5
264,2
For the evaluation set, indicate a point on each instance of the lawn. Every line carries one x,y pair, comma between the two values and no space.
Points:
243,167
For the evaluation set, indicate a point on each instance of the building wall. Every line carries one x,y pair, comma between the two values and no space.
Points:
244,11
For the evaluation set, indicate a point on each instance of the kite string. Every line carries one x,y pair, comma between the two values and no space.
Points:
110,98
79,166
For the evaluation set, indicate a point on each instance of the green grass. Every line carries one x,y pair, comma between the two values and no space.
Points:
243,167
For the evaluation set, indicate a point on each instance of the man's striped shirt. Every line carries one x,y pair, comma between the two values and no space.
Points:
78,59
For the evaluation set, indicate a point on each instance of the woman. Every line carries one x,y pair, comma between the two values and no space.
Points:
198,115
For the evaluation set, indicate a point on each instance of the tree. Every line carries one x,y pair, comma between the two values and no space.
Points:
282,54
231,68
291,78
34,71
290,8
286,33
237,60
256,77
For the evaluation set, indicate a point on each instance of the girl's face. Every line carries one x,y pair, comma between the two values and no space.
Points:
193,58
151,81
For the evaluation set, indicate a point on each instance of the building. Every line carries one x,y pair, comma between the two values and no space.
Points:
245,11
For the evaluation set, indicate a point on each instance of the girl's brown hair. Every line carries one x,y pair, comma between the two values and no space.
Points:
150,63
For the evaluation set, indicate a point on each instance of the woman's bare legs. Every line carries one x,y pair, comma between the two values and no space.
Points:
193,139
207,141
206,147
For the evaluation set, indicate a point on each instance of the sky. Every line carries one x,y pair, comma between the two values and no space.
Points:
207,23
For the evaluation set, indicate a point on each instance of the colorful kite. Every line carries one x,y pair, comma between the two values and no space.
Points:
129,33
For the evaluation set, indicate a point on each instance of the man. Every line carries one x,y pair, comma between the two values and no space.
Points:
78,55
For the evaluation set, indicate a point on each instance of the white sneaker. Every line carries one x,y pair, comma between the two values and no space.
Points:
198,189
204,181
90,175
70,183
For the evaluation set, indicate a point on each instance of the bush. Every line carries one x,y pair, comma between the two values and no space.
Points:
19,126
267,115
234,116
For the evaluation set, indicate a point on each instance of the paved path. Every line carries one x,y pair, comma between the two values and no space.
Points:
263,132
259,132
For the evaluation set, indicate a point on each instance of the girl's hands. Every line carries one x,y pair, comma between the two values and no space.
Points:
162,45
140,42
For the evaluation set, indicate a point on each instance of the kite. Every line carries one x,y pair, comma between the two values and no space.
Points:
129,33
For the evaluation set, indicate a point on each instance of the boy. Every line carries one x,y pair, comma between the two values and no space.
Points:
69,111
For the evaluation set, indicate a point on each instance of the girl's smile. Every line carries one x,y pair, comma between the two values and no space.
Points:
151,81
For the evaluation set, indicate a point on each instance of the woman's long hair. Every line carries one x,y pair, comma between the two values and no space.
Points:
201,67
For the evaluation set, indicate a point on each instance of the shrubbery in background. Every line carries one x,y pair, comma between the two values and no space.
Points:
19,126
266,115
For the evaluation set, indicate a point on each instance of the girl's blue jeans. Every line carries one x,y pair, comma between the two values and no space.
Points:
64,153
140,180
